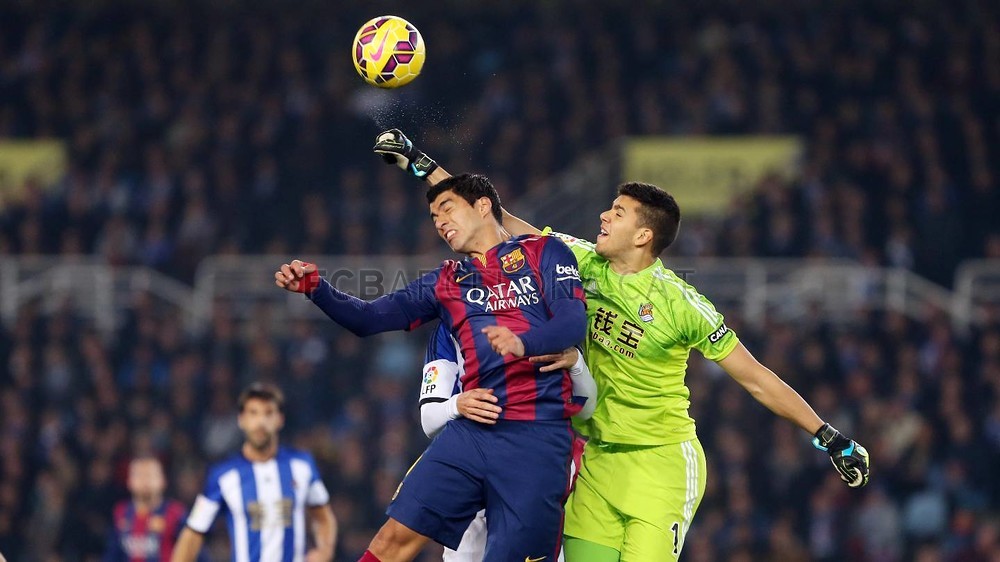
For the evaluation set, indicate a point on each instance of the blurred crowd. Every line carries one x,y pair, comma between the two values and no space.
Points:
199,128
210,127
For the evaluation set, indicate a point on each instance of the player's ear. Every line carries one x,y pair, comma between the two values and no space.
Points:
484,206
643,236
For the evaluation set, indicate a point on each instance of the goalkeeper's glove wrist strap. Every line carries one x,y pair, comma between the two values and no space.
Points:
422,166
827,437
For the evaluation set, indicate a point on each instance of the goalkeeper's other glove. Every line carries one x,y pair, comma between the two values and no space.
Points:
396,149
849,458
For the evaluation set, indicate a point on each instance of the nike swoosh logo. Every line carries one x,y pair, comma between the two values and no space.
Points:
378,54
462,278
530,559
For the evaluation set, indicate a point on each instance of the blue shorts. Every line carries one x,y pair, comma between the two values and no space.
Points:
519,471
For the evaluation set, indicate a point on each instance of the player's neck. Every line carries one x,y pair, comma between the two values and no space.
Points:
631,262
253,454
489,238
146,506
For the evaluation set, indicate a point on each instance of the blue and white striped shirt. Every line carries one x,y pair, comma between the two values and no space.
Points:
265,504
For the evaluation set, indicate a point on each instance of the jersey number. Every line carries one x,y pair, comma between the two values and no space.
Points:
676,528
255,511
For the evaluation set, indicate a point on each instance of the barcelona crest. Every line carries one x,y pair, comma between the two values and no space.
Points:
513,261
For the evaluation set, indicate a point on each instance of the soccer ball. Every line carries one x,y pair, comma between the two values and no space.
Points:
388,52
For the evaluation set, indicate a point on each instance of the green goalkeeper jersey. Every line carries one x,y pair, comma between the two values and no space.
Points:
641,328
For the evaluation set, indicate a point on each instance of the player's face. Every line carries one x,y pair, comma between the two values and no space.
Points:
457,222
620,230
145,479
260,421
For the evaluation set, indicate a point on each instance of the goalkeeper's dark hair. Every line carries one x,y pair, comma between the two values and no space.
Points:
469,187
659,212
262,391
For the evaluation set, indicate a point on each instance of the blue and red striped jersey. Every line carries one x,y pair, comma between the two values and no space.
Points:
515,284
144,537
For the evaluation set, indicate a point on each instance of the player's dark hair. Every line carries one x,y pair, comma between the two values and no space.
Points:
658,212
469,187
262,391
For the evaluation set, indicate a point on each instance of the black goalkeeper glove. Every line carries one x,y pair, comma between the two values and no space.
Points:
396,149
849,458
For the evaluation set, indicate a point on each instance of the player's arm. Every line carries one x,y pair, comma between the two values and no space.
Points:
397,149
440,400
562,292
584,385
768,389
199,521
848,457
324,531
401,310
436,410
188,546
322,521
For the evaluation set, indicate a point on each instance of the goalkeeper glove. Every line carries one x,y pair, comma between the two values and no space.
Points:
849,458
396,149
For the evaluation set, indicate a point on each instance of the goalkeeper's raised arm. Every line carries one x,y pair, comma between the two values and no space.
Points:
396,148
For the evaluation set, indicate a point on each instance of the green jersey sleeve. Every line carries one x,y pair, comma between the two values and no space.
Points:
702,326
586,255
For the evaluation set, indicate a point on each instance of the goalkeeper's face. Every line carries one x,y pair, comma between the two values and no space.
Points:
620,231
260,421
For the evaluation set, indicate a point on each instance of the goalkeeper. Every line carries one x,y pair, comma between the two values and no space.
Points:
644,470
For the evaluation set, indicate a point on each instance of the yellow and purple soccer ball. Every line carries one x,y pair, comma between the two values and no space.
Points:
388,52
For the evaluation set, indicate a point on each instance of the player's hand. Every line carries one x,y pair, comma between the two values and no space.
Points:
479,405
396,149
556,361
848,457
297,277
503,341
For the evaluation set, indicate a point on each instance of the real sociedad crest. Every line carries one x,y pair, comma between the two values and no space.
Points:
513,261
646,312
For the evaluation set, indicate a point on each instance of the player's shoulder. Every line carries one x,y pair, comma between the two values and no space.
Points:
451,266
673,286
527,240
230,463
538,244
175,504
567,239
175,507
121,507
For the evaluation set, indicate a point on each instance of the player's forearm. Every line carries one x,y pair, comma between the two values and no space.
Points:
768,389
566,328
585,386
324,528
435,414
363,318
517,226
437,176
782,399
188,546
